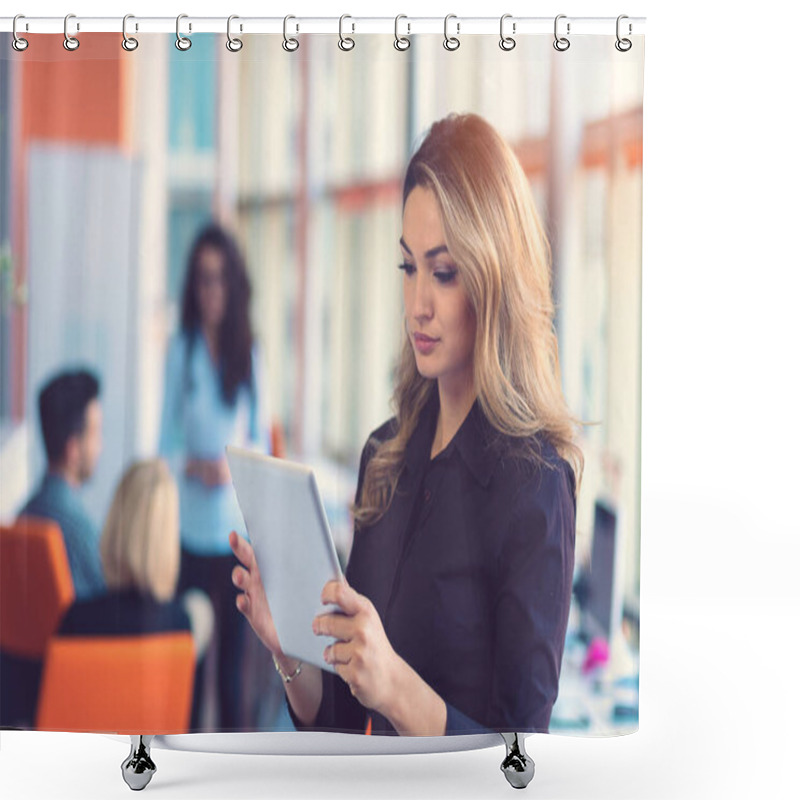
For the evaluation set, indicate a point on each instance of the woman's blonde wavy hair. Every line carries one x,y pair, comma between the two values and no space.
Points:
493,232
140,544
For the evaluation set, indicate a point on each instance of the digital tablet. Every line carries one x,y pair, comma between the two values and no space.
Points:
289,531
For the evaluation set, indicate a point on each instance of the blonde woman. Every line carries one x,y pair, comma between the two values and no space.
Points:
140,554
458,586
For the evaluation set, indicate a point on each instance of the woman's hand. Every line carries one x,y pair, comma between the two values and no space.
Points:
253,600
211,472
362,656
219,472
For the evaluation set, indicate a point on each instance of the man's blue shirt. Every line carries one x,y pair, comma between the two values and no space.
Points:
58,501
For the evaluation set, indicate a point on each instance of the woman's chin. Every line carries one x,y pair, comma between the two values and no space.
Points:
425,369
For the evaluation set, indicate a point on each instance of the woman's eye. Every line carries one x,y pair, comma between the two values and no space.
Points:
445,275
407,268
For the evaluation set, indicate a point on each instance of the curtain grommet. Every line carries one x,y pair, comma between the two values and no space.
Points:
290,44
401,43
128,42
346,43
233,44
623,44
71,43
507,43
451,43
17,42
183,43
561,43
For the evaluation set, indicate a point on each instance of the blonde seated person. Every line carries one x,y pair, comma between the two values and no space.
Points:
140,554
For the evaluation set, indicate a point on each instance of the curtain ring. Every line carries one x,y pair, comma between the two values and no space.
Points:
290,44
451,42
561,43
234,45
623,45
18,43
401,42
345,42
506,42
70,42
128,42
183,43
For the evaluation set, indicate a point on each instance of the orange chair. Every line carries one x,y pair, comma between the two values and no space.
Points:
118,684
35,590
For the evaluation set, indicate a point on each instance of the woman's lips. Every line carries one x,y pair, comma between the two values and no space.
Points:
424,344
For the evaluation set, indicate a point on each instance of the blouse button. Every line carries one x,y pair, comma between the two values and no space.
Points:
427,495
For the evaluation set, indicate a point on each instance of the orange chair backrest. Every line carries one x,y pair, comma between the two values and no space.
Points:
118,684
35,585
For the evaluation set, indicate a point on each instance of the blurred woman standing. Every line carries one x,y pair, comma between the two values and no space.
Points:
211,399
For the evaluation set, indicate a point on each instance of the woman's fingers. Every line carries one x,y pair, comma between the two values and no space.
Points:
344,596
241,578
234,542
339,626
338,653
223,472
244,576
243,550
252,603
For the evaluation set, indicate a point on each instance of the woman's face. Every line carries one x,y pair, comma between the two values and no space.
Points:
439,318
212,295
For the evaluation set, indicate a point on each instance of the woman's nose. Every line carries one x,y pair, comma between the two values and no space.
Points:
422,299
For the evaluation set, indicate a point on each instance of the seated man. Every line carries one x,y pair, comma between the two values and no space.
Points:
69,412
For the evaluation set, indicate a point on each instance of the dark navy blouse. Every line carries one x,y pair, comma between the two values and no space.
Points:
126,613
470,570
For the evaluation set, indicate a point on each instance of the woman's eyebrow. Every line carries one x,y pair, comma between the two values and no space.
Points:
432,253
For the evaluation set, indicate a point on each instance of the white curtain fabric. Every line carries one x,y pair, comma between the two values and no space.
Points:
82,223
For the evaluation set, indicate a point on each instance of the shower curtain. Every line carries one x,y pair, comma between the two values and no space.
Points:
199,249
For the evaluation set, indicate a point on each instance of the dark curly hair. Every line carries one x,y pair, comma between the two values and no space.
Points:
236,335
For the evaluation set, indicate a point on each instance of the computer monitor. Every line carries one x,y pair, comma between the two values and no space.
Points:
601,612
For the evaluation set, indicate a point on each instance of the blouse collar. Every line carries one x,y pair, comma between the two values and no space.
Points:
475,441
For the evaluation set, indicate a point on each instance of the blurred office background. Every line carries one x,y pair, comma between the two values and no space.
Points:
112,161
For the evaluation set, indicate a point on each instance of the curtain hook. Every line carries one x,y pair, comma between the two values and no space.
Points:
18,43
128,42
183,43
70,42
451,42
561,43
401,42
345,42
623,45
234,45
290,44
507,42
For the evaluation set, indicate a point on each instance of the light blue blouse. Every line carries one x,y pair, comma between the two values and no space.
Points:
196,422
